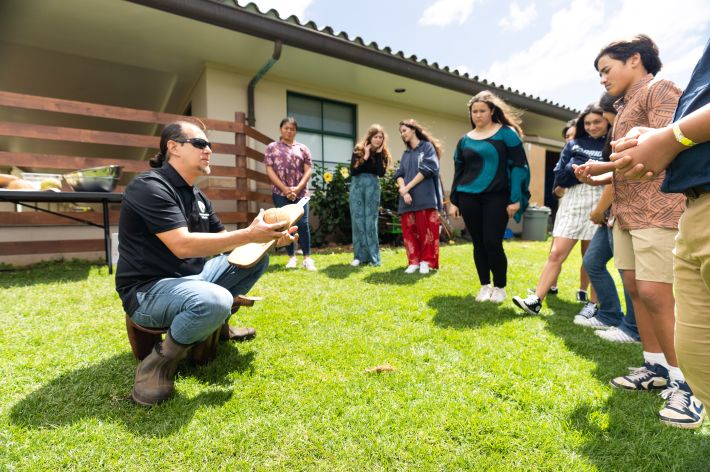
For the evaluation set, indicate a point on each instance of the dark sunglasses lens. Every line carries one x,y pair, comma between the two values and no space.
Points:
200,143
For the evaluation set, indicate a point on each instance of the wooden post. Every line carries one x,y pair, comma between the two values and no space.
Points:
240,141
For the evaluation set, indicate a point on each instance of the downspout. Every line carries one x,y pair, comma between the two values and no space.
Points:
251,118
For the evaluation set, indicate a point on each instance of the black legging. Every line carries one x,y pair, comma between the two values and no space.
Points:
486,218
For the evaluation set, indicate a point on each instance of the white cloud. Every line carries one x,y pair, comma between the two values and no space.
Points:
561,62
445,12
518,18
285,8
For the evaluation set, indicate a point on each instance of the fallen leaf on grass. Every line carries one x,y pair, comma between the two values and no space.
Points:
381,368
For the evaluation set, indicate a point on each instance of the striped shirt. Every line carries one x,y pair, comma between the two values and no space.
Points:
640,204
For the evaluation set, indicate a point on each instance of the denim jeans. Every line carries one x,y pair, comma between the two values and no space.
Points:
196,305
364,204
304,231
598,254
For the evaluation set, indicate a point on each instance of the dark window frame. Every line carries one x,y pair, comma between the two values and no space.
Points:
322,132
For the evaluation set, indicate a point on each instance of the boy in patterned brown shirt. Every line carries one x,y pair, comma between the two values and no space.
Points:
646,219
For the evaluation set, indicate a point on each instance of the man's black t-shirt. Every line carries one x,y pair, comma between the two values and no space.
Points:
154,202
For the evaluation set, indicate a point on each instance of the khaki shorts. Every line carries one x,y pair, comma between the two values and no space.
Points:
648,251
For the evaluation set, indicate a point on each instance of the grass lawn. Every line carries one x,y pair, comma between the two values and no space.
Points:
475,386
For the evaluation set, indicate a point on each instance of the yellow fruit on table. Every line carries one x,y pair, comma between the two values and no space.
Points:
50,184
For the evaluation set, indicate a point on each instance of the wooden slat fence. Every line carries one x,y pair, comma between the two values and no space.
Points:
61,164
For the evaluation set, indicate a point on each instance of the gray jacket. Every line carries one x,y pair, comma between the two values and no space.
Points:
427,194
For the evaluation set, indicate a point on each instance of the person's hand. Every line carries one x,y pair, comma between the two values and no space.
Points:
407,199
559,191
597,217
454,211
593,173
262,232
290,237
366,155
292,193
644,152
512,209
403,191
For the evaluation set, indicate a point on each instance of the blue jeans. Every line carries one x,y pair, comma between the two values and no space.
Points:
304,231
364,204
195,306
598,254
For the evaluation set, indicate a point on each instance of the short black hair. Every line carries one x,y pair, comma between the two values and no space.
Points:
623,49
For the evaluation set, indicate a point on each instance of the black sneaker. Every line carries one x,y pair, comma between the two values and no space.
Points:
553,290
582,296
682,409
530,305
648,377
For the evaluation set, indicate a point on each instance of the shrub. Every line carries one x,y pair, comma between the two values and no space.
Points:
329,202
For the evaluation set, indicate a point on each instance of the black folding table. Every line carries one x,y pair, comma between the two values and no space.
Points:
24,197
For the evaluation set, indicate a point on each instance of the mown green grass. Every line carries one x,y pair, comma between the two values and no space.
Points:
475,386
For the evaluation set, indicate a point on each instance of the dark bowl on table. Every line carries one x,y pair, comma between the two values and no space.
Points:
94,179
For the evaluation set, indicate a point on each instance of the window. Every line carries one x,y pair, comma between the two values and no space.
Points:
325,126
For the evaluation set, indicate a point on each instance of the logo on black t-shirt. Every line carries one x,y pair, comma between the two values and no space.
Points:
203,210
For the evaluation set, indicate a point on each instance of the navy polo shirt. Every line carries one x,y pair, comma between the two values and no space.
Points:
691,168
154,202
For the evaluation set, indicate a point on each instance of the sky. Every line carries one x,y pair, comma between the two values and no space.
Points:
543,48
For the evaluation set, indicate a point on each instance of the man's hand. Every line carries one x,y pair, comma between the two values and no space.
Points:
290,237
597,217
262,232
558,191
454,211
644,152
292,193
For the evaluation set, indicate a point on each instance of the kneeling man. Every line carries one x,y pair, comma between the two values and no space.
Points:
167,230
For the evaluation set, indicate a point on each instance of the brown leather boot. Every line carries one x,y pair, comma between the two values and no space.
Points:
230,333
154,375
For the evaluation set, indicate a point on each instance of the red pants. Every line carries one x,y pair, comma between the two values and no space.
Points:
420,230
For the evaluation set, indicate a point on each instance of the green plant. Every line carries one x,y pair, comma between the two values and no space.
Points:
329,201
390,191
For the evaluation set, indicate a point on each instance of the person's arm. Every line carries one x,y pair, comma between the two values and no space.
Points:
644,152
597,213
564,173
271,173
594,172
307,172
185,244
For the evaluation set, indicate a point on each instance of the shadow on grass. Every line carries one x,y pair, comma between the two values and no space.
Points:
102,392
396,277
340,271
464,312
46,273
624,433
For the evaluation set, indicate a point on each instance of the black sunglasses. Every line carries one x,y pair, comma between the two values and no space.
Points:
199,143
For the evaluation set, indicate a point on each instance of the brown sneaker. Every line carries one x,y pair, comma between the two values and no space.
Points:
230,333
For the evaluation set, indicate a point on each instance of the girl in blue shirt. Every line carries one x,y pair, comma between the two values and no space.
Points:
491,179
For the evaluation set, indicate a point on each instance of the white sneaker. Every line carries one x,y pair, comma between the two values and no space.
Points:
424,268
292,263
411,269
309,265
355,262
485,293
615,335
498,295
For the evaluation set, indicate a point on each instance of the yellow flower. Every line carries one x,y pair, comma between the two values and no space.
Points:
328,177
344,172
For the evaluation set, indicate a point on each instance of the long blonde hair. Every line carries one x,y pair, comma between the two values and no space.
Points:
359,150
423,135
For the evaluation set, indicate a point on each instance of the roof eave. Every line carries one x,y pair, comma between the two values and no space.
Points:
263,26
